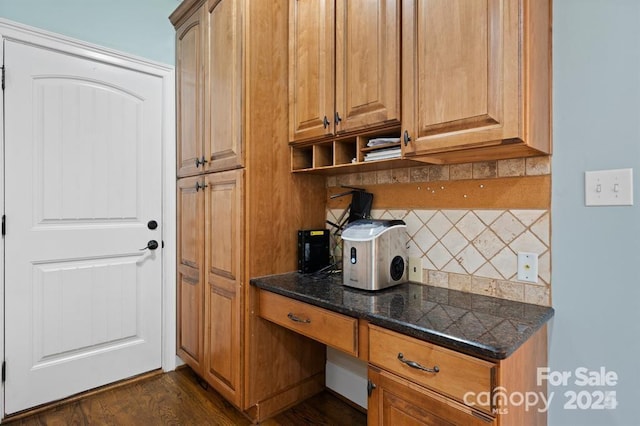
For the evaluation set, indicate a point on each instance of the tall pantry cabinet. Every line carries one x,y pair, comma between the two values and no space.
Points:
239,208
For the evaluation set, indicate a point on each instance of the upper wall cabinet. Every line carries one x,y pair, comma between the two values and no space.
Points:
209,89
344,59
190,40
476,79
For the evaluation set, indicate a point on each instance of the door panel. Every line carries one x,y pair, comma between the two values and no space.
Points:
224,210
190,291
396,401
190,39
311,68
223,340
66,324
224,86
460,78
83,162
224,238
367,63
455,42
77,151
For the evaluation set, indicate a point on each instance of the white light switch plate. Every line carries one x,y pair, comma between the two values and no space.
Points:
609,187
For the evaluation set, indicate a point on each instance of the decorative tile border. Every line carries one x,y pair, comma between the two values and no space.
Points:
532,166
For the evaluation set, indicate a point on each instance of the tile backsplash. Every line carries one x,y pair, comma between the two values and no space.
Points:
476,250
472,250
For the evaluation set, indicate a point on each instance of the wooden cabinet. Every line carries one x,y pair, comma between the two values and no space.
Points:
311,69
413,382
333,329
476,79
367,64
447,372
417,382
224,246
469,79
224,80
239,211
396,401
190,69
344,67
190,270
209,89
210,221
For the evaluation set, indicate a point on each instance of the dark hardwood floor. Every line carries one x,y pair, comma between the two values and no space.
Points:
176,398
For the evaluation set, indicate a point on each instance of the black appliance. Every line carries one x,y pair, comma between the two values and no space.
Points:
313,250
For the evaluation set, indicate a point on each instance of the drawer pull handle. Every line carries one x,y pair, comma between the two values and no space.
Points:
417,366
295,318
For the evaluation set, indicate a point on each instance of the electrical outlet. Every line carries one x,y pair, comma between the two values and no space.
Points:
528,267
415,269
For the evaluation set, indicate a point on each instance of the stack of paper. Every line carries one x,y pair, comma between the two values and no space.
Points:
383,154
382,141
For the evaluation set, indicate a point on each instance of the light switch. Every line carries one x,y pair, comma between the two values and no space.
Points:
609,187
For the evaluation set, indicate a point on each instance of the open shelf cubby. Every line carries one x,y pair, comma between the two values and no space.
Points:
347,153
302,158
323,155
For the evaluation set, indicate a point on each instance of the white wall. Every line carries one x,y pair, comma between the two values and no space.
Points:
138,27
596,250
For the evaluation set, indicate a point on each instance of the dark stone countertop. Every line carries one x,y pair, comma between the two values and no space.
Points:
477,325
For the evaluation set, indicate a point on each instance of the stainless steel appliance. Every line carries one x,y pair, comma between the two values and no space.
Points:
374,254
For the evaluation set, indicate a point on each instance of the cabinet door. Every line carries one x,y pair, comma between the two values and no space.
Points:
223,142
189,94
460,73
395,402
224,241
311,69
367,63
190,269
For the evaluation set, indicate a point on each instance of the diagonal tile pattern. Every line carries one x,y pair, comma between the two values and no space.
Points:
482,243
477,243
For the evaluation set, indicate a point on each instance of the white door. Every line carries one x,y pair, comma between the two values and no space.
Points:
82,181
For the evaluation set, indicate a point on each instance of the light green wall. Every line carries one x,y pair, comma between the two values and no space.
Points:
595,250
138,27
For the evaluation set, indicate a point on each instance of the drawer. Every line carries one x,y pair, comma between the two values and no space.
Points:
332,329
457,374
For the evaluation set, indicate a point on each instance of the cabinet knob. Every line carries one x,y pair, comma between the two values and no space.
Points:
325,122
407,138
200,186
370,387
338,119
